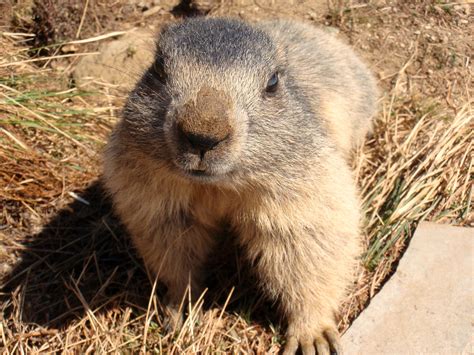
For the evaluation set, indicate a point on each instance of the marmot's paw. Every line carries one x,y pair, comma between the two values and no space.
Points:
321,343
174,319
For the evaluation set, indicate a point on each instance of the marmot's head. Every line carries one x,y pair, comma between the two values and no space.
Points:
220,103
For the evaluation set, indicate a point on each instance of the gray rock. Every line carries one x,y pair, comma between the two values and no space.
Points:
427,305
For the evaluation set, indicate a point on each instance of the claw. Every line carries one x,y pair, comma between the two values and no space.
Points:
307,348
291,346
322,346
333,338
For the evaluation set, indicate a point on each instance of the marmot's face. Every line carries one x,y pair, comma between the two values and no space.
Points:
217,104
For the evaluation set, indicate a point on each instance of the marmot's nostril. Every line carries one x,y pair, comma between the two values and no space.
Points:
199,141
202,142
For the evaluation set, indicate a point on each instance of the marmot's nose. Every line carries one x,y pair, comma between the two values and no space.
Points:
201,142
204,122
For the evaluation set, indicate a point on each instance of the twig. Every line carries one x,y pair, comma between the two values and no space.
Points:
97,38
38,333
82,19
15,139
148,317
46,58
17,34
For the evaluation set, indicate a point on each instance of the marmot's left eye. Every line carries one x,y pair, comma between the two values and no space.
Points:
272,83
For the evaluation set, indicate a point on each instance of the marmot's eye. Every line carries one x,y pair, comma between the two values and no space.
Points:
272,83
159,68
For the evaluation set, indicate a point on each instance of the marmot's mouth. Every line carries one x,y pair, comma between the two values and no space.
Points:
202,176
206,176
209,174
199,173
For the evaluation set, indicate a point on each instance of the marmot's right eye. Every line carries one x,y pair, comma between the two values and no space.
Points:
272,83
159,68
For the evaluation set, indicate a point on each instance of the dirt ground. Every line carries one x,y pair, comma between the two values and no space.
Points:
70,281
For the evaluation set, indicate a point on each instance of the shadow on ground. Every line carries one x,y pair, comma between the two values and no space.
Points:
82,259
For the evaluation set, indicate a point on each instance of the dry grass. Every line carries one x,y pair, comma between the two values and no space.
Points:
70,279
418,166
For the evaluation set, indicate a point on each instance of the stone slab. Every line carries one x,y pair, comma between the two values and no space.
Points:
427,305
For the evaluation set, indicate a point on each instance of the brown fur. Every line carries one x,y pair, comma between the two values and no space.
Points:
295,214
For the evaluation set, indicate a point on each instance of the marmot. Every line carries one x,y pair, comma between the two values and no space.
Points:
248,126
